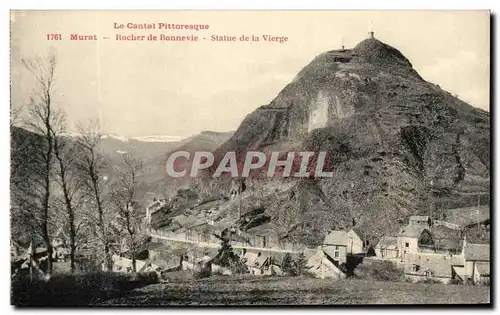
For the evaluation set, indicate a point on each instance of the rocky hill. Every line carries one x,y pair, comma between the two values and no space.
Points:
397,145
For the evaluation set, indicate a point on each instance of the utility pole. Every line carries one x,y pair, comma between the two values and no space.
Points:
477,210
240,188
431,205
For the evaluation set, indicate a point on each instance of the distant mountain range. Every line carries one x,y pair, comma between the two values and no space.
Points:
152,150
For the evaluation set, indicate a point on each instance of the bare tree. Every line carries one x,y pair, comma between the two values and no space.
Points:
123,196
91,165
43,116
66,153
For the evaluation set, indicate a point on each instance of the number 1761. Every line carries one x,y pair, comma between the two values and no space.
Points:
54,37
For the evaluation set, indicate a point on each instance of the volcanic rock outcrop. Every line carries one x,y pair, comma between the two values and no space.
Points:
397,145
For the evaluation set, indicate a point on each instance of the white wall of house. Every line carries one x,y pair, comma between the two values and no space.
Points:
337,252
471,271
386,253
407,245
354,243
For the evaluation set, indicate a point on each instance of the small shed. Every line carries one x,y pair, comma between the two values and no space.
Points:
477,262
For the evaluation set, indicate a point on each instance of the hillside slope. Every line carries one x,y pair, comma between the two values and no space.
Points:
397,144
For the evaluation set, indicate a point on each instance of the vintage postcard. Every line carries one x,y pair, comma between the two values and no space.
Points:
172,158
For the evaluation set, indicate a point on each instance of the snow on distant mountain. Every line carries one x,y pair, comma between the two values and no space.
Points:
158,138
124,139
152,138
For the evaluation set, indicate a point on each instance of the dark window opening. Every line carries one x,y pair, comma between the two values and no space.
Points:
407,244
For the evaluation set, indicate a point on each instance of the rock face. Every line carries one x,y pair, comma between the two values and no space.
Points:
397,145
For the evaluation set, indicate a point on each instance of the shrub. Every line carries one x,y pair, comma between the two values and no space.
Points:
380,271
299,266
456,281
485,282
429,281
287,264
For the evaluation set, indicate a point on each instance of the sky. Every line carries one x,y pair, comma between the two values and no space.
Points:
144,88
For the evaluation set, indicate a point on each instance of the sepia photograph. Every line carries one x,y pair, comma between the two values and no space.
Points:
250,158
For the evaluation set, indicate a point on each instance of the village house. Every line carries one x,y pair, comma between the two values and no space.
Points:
155,205
258,262
121,264
335,246
339,244
320,266
420,220
477,262
414,234
420,235
436,266
387,247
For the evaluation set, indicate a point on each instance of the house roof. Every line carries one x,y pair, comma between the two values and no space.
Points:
359,233
460,271
443,232
445,237
250,257
413,231
476,252
330,252
261,260
127,263
483,268
336,238
253,259
438,265
319,264
387,242
315,258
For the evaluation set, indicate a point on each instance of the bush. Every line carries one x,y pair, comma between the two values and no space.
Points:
456,281
485,282
387,272
380,271
299,265
75,289
287,264
429,281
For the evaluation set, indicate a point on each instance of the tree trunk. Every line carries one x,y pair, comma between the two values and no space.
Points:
72,251
107,257
45,225
72,242
69,207
134,268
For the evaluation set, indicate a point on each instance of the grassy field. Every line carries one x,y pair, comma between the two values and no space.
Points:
281,290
